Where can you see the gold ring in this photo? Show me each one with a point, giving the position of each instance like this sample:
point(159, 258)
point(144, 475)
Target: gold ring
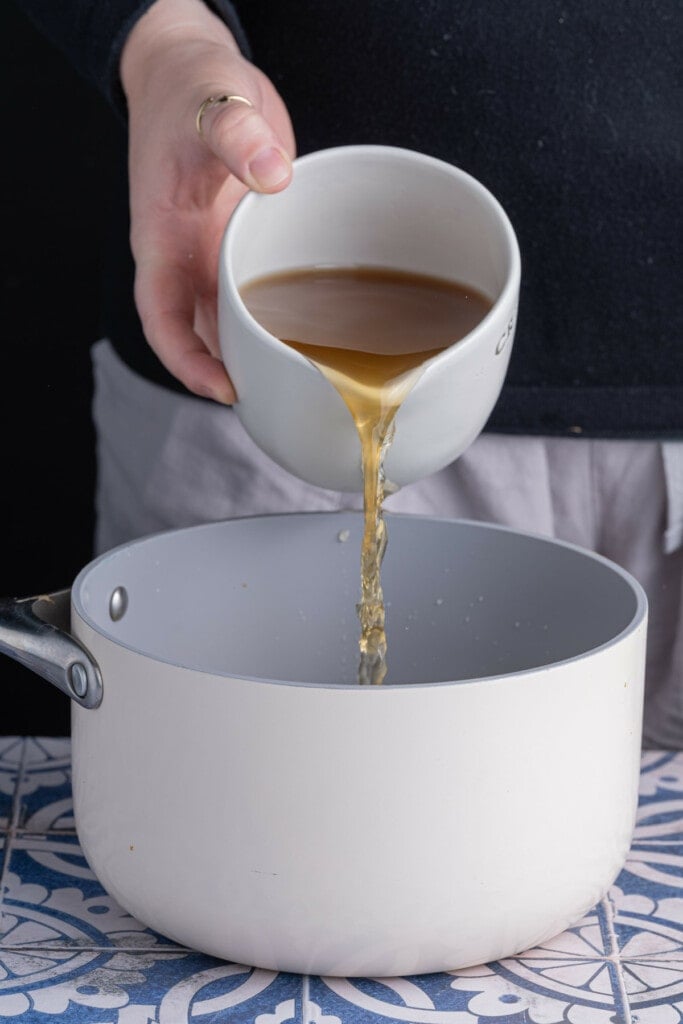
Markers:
point(217, 101)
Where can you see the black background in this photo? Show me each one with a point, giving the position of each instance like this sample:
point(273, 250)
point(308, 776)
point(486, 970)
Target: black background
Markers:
point(58, 148)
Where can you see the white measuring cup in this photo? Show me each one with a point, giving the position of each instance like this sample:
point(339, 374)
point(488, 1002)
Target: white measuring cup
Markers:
point(374, 206)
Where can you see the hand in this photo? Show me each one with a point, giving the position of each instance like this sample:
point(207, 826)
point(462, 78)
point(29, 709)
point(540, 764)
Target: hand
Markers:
point(183, 188)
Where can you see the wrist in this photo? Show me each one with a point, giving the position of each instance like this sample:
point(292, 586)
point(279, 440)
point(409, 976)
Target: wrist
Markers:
point(165, 25)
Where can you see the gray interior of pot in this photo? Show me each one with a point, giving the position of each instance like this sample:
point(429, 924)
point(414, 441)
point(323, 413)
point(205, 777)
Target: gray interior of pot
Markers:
point(274, 598)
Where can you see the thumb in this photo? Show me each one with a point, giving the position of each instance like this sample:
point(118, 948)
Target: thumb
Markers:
point(238, 134)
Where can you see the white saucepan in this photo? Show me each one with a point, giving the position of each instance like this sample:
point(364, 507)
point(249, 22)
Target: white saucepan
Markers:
point(238, 791)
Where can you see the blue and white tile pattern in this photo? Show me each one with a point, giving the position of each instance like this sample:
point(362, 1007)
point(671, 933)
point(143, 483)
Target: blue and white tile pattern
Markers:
point(68, 952)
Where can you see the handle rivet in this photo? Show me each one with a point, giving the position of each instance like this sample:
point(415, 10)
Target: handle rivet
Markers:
point(78, 679)
point(118, 603)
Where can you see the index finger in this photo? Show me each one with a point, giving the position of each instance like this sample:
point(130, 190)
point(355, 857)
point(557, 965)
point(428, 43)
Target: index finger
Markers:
point(239, 135)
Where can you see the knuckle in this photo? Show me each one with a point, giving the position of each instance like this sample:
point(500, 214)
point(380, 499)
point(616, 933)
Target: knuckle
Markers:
point(232, 118)
point(239, 131)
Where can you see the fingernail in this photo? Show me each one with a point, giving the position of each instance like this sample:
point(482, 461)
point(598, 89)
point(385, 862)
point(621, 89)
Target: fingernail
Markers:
point(220, 397)
point(269, 168)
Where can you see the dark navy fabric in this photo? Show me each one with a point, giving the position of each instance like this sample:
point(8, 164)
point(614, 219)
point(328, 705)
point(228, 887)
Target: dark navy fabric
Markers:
point(569, 113)
point(91, 33)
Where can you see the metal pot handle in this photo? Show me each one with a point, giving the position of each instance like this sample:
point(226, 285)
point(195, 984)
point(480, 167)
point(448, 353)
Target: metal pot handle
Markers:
point(35, 632)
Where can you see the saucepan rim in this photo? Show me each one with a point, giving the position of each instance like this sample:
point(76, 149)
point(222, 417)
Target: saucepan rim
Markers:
point(639, 615)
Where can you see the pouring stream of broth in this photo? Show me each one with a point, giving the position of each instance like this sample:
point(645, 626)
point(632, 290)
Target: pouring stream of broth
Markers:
point(369, 331)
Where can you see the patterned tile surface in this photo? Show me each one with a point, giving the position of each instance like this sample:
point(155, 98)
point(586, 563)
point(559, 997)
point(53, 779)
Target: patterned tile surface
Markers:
point(69, 953)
